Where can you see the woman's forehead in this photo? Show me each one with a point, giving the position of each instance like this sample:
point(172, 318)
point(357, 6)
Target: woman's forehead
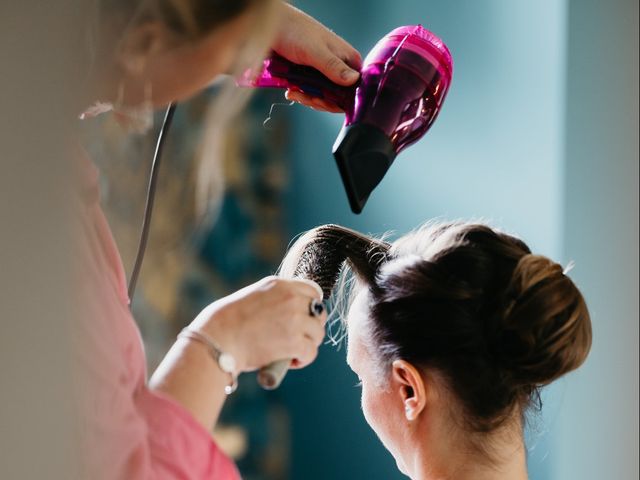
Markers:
point(356, 323)
point(358, 310)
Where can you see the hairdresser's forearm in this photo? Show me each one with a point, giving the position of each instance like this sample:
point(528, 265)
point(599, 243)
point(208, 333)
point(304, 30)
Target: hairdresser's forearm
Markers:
point(190, 376)
point(257, 325)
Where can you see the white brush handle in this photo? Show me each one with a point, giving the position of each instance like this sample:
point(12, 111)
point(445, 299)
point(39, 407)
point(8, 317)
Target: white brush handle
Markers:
point(271, 376)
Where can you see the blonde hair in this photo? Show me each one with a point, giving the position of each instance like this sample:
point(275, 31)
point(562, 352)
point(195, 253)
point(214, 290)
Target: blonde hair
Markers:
point(229, 102)
point(191, 19)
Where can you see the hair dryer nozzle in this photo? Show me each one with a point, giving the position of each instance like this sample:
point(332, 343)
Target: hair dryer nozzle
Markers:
point(363, 153)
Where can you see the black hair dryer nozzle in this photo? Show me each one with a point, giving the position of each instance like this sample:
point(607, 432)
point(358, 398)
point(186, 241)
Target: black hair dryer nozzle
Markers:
point(363, 154)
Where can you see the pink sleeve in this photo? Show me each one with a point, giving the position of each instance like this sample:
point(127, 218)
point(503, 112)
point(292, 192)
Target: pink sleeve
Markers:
point(179, 447)
point(128, 431)
point(146, 435)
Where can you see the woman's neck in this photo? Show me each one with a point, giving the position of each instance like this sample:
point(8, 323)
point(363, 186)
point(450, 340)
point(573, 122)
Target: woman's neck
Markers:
point(446, 458)
point(513, 467)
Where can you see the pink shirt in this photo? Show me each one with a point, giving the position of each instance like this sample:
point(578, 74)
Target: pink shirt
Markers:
point(129, 431)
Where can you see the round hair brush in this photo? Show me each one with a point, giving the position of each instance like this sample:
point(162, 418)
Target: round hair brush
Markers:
point(319, 256)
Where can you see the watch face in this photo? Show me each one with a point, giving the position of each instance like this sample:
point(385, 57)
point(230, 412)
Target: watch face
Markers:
point(227, 362)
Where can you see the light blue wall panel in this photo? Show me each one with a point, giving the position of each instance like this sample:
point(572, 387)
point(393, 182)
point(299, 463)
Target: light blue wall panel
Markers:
point(597, 435)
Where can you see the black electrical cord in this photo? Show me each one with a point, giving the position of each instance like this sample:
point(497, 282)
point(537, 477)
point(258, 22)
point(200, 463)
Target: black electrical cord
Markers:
point(151, 192)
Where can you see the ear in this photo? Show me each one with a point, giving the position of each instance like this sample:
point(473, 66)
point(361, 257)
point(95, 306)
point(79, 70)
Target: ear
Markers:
point(141, 43)
point(410, 387)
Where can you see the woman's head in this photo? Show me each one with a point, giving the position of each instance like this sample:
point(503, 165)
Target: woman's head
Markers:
point(456, 325)
point(174, 47)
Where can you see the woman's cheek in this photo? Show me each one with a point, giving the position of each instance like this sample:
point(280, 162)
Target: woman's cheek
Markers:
point(372, 409)
point(377, 406)
point(364, 404)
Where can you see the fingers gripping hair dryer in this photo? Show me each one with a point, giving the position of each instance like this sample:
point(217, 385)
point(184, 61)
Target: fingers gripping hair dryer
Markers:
point(404, 81)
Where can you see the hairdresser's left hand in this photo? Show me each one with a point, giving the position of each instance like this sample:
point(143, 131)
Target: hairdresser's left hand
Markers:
point(306, 41)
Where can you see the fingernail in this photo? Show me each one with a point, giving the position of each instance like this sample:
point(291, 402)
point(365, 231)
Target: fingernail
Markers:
point(349, 74)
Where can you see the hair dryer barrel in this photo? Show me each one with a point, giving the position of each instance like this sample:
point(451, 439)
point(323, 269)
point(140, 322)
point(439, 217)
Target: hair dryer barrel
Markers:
point(405, 79)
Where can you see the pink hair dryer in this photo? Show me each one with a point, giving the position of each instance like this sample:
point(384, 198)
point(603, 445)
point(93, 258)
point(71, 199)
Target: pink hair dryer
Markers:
point(403, 83)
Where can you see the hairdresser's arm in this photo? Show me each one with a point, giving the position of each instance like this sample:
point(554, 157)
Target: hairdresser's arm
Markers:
point(264, 322)
point(305, 41)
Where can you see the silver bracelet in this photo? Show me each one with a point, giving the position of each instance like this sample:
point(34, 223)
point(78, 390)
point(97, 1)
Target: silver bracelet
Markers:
point(225, 361)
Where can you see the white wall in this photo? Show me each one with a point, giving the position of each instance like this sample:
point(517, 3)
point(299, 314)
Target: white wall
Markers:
point(37, 417)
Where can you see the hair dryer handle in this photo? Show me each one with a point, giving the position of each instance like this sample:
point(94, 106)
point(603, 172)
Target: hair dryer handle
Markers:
point(278, 72)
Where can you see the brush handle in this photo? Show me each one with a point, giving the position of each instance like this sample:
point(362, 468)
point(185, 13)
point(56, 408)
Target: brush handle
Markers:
point(271, 376)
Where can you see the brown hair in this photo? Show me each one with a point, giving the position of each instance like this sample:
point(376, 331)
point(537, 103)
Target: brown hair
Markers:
point(496, 321)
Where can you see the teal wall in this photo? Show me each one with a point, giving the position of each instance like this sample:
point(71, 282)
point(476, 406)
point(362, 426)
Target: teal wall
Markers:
point(496, 152)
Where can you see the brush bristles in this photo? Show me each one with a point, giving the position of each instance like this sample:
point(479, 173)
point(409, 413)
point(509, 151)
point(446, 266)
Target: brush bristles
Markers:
point(320, 254)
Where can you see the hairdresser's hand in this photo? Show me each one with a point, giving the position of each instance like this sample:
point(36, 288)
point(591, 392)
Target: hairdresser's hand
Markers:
point(305, 41)
point(265, 322)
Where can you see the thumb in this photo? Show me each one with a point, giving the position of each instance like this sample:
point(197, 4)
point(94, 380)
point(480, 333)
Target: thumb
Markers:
point(334, 68)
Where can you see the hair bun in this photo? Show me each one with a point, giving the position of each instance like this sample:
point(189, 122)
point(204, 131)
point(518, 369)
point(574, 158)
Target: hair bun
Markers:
point(546, 329)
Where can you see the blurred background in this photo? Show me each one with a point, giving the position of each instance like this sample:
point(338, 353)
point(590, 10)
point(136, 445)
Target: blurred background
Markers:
point(538, 136)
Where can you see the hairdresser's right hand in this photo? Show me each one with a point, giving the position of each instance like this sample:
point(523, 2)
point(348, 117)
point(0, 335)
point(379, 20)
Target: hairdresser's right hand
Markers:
point(265, 322)
point(306, 41)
